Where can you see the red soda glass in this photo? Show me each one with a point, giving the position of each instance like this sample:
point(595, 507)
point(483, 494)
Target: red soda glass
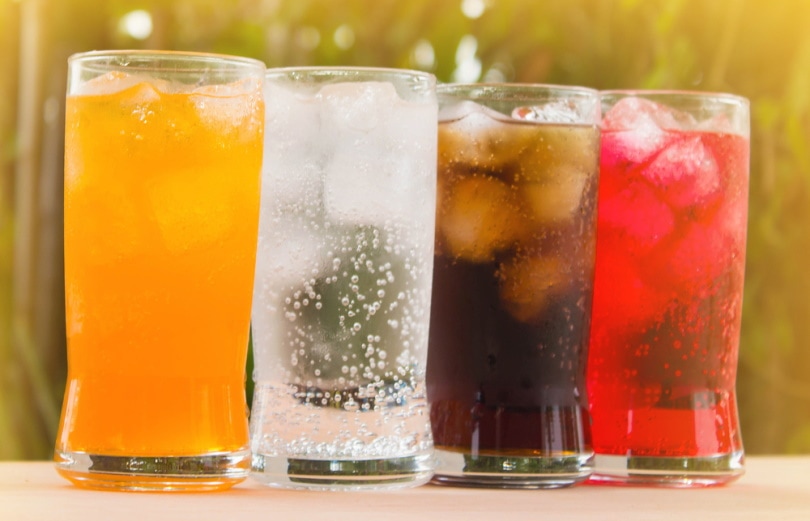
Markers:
point(668, 288)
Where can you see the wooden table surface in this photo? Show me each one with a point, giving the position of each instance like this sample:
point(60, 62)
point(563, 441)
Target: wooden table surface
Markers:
point(775, 488)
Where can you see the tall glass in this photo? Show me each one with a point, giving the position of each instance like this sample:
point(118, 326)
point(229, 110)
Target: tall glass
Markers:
point(342, 294)
point(669, 282)
point(513, 275)
point(163, 155)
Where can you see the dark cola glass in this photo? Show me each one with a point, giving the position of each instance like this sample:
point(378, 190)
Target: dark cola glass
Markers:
point(513, 282)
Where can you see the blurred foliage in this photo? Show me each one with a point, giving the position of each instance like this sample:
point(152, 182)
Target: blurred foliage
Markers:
point(758, 49)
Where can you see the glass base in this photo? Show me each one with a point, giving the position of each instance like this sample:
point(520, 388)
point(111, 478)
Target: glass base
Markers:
point(668, 471)
point(218, 471)
point(372, 474)
point(505, 471)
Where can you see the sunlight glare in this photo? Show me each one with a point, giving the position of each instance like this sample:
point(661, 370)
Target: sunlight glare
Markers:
point(424, 57)
point(344, 37)
point(473, 9)
point(137, 24)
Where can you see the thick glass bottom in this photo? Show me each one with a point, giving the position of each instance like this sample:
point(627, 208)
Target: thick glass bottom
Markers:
point(511, 471)
point(369, 474)
point(207, 472)
point(680, 472)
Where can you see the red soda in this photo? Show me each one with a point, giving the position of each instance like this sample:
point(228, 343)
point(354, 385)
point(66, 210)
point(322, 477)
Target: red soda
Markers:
point(668, 291)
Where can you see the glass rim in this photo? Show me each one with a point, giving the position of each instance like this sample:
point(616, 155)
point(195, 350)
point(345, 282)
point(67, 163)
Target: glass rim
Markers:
point(723, 97)
point(98, 57)
point(314, 70)
point(517, 87)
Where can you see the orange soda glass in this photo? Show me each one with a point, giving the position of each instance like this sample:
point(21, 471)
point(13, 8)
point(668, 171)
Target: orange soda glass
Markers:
point(163, 154)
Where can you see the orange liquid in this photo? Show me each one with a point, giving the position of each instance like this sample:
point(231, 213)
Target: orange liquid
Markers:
point(161, 218)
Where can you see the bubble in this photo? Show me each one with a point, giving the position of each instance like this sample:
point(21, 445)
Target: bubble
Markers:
point(357, 326)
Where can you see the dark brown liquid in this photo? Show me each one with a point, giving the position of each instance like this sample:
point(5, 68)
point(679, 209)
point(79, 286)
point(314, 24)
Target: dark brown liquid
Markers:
point(497, 385)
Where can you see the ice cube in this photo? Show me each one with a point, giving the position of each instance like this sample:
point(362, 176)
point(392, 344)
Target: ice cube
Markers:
point(634, 130)
point(479, 216)
point(721, 123)
point(234, 89)
point(373, 176)
point(686, 173)
point(116, 81)
point(732, 220)
point(526, 284)
point(293, 151)
point(465, 108)
point(559, 111)
point(638, 216)
point(357, 105)
point(631, 112)
point(710, 247)
point(365, 186)
point(481, 140)
point(555, 153)
point(290, 252)
point(230, 107)
point(703, 254)
point(187, 220)
point(557, 200)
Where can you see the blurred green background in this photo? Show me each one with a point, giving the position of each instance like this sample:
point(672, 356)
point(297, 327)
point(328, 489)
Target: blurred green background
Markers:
point(758, 49)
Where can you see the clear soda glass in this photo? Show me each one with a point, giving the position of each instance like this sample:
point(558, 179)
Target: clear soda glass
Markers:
point(342, 293)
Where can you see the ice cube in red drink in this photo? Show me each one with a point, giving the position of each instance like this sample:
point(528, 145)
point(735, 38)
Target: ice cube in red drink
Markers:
point(686, 172)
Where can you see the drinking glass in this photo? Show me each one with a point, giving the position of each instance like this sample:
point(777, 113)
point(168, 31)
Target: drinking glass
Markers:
point(669, 282)
point(163, 155)
point(343, 274)
point(513, 276)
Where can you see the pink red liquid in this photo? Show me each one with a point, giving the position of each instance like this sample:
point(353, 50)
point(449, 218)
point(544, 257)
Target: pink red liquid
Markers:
point(668, 292)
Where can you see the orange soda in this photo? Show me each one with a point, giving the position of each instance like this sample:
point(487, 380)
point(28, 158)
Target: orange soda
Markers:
point(161, 216)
